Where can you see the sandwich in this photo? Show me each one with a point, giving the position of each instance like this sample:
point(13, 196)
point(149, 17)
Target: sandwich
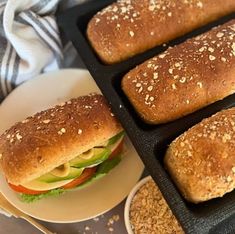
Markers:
point(62, 148)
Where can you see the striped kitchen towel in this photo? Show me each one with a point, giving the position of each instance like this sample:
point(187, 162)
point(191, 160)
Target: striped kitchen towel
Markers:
point(29, 41)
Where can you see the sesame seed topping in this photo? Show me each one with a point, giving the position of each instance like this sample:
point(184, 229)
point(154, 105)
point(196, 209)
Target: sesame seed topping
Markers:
point(226, 137)
point(79, 131)
point(233, 48)
point(131, 33)
point(150, 88)
point(211, 57)
point(220, 34)
point(0, 156)
point(25, 121)
point(173, 86)
point(88, 107)
point(46, 121)
point(177, 64)
point(170, 71)
point(18, 136)
point(62, 131)
point(140, 90)
point(147, 97)
point(212, 135)
point(233, 169)
point(229, 179)
point(199, 4)
point(199, 84)
point(162, 56)
point(202, 49)
point(211, 49)
point(155, 75)
point(123, 9)
point(152, 7)
point(223, 59)
point(182, 80)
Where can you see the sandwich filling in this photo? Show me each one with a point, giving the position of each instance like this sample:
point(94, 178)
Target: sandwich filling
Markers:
point(78, 172)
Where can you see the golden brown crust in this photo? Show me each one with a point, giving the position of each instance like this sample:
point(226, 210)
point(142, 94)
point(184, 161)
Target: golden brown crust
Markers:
point(50, 138)
point(202, 160)
point(129, 27)
point(184, 78)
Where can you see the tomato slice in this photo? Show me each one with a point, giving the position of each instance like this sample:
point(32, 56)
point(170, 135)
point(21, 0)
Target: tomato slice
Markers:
point(22, 189)
point(87, 174)
point(117, 151)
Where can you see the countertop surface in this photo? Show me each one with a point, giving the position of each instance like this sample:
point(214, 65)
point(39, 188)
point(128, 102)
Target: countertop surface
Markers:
point(104, 224)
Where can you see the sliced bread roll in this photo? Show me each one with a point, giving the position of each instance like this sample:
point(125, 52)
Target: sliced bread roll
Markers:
point(53, 137)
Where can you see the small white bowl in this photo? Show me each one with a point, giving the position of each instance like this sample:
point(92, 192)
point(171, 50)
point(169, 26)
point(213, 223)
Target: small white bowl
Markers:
point(129, 200)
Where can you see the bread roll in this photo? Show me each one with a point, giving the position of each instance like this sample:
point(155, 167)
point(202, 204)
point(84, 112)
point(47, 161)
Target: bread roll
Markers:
point(52, 137)
point(202, 160)
point(184, 78)
point(129, 27)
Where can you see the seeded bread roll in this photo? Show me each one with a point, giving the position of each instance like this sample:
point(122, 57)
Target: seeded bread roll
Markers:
point(52, 137)
point(184, 78)
point(127, 28)
point(202, 160)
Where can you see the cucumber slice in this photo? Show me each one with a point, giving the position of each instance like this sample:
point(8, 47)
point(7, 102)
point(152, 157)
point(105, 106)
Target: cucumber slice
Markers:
point(49, 178)
point(100, 155)
point(115, 138)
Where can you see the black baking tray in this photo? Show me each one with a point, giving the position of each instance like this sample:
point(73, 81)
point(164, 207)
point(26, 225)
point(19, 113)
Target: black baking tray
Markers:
point(151, 141)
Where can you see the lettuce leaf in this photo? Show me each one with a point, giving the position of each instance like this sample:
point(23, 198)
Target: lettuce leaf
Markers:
point(32, 198)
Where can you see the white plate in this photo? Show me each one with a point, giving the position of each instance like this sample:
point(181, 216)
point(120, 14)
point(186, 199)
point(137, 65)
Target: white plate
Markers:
point(43, 92)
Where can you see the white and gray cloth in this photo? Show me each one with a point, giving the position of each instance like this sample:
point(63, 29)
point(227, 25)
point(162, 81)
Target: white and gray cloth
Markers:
point(29, 41)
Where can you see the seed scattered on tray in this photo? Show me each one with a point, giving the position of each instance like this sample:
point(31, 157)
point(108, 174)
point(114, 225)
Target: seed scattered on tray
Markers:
point(150, 214)
point(111, 222)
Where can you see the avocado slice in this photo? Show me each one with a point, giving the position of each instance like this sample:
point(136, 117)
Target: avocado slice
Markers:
point(100, 155)
point(49, 178)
